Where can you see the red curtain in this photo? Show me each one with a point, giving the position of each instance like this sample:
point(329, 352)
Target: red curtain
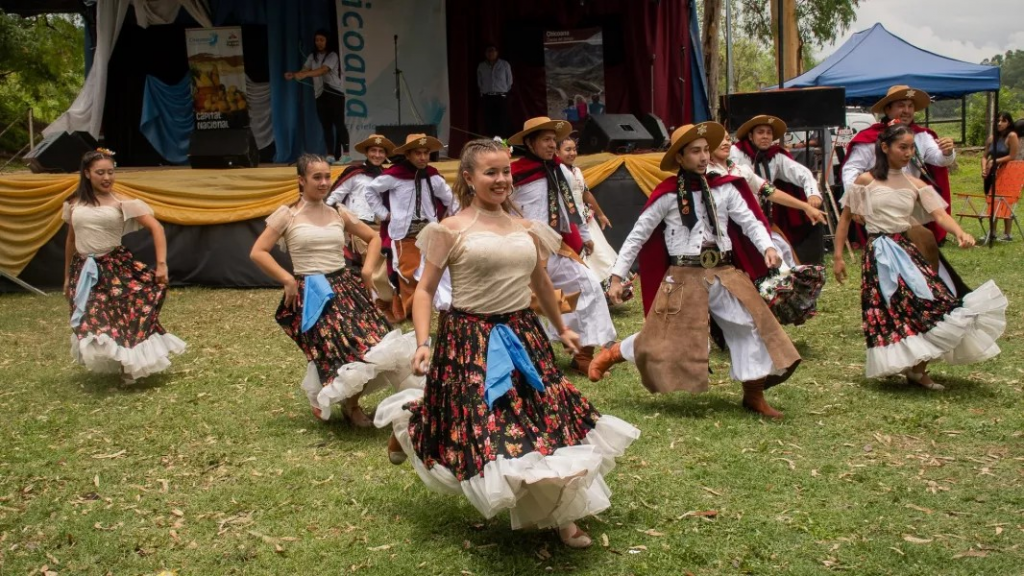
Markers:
point(633, 32)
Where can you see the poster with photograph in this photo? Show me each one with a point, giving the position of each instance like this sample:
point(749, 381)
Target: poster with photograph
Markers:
point(218, 77)
point(574, 65)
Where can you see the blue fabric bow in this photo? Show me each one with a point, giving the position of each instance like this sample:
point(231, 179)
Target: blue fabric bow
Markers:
point(505, 352)
point(87, 278)
point(894, 263)
point(316, 295)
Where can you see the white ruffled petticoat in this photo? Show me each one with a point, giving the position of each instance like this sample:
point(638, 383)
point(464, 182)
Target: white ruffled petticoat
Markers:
point(539, 491)
point(101, 353)
point(966, 335)
point(389, 363)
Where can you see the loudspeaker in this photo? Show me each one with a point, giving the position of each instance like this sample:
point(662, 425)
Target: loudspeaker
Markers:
point(223, 148)
point(397, 133)
point(618, 133)
point(60, 152)
point(797, 107)
point(659, 134)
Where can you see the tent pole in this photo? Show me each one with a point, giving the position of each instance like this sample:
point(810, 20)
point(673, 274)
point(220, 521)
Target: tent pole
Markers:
point(963, 120)
point(927, 117)
point(992, 197)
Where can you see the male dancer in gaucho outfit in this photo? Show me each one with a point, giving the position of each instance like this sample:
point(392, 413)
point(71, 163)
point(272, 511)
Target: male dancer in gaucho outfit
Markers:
point(688, 237)
point(405, 198)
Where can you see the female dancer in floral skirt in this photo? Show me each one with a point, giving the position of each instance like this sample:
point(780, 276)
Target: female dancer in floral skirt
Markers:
point(498, 422)
point(351, 348)
point(910, 317)
point(115, 300)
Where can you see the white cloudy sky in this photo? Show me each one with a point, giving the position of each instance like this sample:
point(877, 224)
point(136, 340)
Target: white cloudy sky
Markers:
point(969, 30)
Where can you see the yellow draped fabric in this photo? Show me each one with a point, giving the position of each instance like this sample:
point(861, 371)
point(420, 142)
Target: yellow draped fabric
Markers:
point(30, 205)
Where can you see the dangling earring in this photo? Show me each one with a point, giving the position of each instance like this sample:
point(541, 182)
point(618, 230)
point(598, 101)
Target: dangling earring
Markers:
point(472, 190)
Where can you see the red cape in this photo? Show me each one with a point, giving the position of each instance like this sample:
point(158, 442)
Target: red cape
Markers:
point(653, 258)
point(793, 223)
point(940, 174)
point(526, 170)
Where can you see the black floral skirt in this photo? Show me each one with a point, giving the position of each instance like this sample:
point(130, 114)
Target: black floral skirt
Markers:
point(453, 425)
point(348, 328)
point(120, 330)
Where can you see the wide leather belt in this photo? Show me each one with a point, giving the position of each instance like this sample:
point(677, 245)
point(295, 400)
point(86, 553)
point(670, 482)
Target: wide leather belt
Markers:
point(416, 227)
point(708, 258)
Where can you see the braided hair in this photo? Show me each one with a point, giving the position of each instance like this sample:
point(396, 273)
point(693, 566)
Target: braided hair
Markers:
point(467, 163)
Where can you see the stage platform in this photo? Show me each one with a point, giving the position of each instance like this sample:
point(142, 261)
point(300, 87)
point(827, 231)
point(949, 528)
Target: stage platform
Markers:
point(212, 217)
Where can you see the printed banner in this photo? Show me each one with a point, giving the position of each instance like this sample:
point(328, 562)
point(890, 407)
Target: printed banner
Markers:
point(218, 77)
point(574, 65)
point(367, 34)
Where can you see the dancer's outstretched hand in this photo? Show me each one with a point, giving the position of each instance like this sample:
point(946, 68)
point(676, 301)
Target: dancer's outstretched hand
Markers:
point(571, 340)
point(839, 270)
point(772, 258)
point(615, 291)
point(814, 215)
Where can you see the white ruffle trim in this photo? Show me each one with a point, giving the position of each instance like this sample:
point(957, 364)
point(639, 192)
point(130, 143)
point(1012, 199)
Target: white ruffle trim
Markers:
point(966, 335)
point(389, 363)
point(101, 353)
point(539, 491)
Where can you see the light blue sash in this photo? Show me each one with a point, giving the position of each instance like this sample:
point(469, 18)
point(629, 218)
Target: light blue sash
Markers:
point(316, 294)
point(894, 263)
point(87, 278)
point(505, 352)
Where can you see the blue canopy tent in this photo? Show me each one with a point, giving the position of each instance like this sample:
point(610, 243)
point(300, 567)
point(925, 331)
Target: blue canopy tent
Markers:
point(872, 60)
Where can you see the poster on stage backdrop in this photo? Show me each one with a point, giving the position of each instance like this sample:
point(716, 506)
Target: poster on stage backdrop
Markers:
point(367, 34)
point(574, 66)
point(218, 77)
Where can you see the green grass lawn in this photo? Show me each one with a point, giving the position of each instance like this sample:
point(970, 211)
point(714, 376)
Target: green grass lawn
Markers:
point(217, 467)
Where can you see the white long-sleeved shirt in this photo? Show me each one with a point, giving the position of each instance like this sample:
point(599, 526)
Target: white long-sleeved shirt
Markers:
point(862, 158)
point(352, 195)
point(783, 168)
point(532, 200)
point(402, 201)
point(683, 241)
point(496, 79)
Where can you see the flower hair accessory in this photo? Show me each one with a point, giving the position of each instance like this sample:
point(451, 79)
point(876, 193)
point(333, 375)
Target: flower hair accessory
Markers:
point(894, 122)
point(106, 151)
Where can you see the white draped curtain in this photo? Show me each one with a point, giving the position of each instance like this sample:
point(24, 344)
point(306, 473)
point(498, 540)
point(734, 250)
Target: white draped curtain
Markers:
point(86, 112)
point(257, 95)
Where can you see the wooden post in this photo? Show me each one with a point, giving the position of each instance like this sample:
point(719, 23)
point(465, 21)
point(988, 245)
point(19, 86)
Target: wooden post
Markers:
point(31, 132)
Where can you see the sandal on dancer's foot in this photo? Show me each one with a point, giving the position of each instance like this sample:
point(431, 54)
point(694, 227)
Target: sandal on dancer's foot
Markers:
point(919, 379)
point(574, 537)
point(395, 453)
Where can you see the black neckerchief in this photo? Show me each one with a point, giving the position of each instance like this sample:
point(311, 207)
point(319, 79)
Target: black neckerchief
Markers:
point(558, 187)
point(421, 177)
point(687, 183)
point(372, 170)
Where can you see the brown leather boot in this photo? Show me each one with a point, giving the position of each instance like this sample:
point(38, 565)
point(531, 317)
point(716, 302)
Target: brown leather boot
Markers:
point(582, 359)
point(753, 400)
point(608, 357)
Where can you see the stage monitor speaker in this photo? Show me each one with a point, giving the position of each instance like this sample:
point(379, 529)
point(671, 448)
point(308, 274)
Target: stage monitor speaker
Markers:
point(60, 152)
point(397, 133)
point(223, 148)
point(797, 107)
point(619, 133)
point(656, 128)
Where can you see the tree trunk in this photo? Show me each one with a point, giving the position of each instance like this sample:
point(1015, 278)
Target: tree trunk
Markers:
point(712, 23)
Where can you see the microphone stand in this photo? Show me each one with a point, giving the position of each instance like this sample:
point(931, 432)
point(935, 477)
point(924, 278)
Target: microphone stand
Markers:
point(398, 82)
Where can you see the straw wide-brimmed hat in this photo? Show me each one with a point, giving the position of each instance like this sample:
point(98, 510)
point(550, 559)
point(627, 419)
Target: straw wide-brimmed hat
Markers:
point(713, 132)
point(375, 140)
point(776, 123)
point(902, 92)
point(414, 141)
point(561, 128)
